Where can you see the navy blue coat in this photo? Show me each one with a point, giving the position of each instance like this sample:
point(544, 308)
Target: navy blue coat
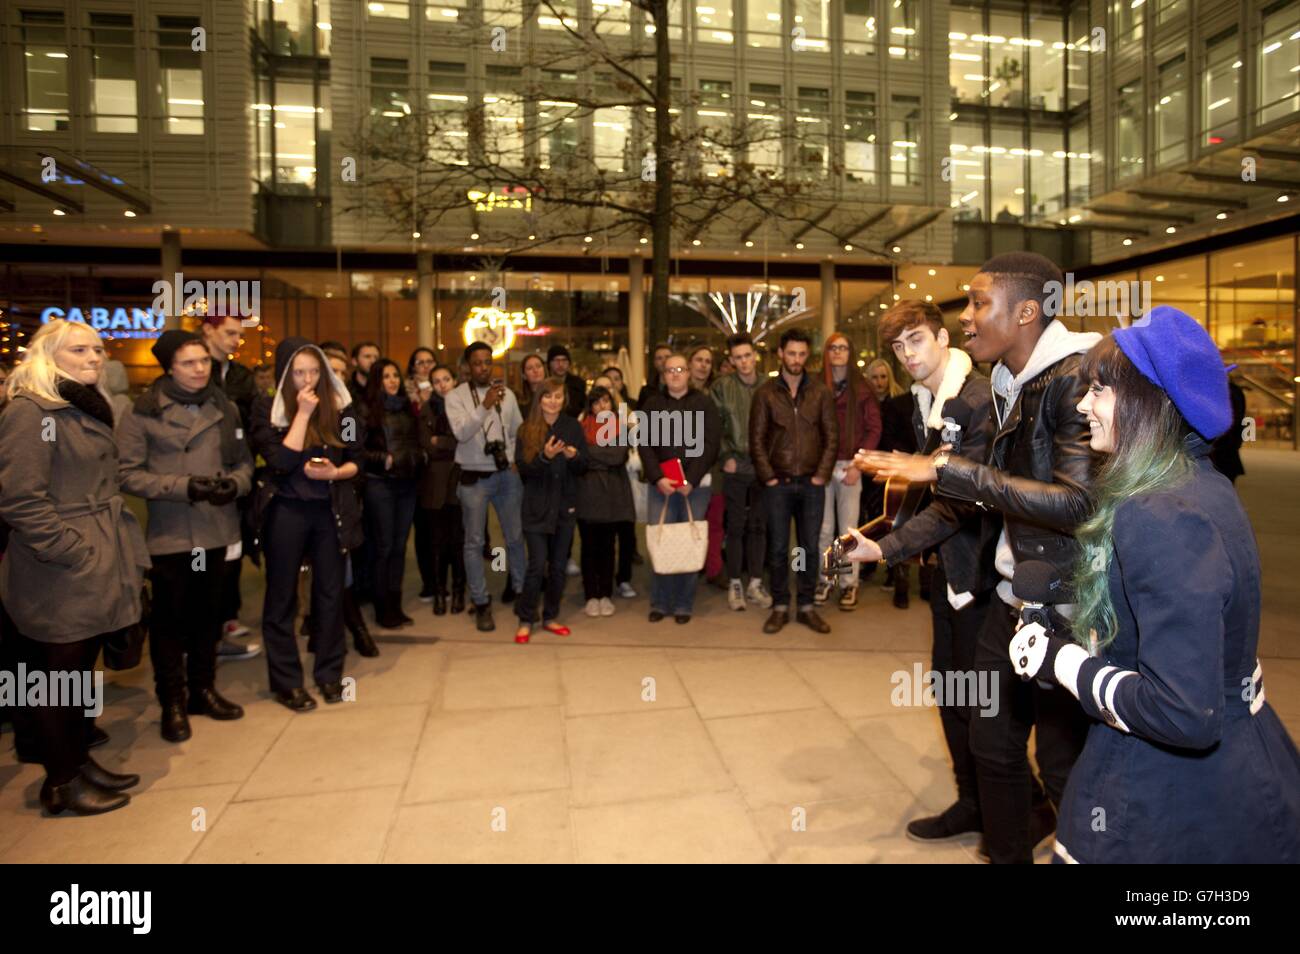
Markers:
point(551, 486)
point(1188, 762)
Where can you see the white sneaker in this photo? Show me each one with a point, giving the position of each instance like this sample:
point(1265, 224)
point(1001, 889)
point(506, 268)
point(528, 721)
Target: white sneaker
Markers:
point(573, 569)
point(606, 606)
point(229, 649)
point(625, 590)
point(736, 595)
point(823, 593)
point(757, 595)
point(234, 627)
point(593, 607)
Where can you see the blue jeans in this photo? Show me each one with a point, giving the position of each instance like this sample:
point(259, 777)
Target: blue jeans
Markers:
point(675, 592)
point(390, 508)
point(799, 498)
point(505, 492)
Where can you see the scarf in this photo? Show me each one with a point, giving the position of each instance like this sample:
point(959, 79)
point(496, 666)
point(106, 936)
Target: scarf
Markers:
point(149, 405)
point(87, 400)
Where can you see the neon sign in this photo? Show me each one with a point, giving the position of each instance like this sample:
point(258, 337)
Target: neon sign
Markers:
point(497, 328)
point(508, 198)
point(115, 322)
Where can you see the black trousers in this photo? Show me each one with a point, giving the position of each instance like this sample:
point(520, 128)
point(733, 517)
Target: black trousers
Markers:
point(298, 532)
point(59, 734)
point(956, 634)
point(448, 533)
point(746, 523)
point(597, 559)
point(1000, 743)
point(798, 498)
point(188, 595)
point(547, 561)
point(625, 534)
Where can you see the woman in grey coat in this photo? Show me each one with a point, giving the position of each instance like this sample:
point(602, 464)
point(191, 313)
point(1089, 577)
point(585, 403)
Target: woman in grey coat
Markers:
point(183, 450)
point(604, 500)
point(73, 568)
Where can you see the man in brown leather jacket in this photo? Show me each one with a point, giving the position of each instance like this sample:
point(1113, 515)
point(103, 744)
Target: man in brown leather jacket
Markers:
point(793, 437)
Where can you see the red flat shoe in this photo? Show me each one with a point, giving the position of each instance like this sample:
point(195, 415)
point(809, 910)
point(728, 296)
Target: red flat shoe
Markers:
point(556, 628)
point(522, 634)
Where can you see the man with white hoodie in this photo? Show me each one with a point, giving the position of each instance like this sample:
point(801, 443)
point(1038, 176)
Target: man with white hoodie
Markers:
point(1036, 476)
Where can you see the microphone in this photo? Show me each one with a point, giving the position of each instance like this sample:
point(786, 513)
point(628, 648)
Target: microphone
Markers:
point(1036, 584)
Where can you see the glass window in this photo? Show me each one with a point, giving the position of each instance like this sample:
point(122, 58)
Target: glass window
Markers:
point(1130, 130)
point(447, 12)
point(390, 94)
point(967, 152)
point(1079, 159)
point(448, 107)
point(813, 17)
point(905, 141)
point(263, 117)
point(1007, 169)
point(1279, 63)
point(763, 23)
point(1167, 10)
point(503, 115)
point(1127, 18)
point(1046, 61)
point(1171, 111)
point(715, 118)
point(180, 76)
point(558, 15)
point(1006, 45)
point(323, 27)
point(388, 10)
point(611, 17)
point(1219, 99)
point(812, 130)
point(966, 76)
point(713, 22)
point(1047, 165)
point(674, 21)
point(112, 73)
point(292, 28)
point(559, 123)
point(503, 13)
point(612, 127)
point(902, 18)
point(1077, 50)
point(860, 136)
point(859, 28)
point(295, 133)
point(45, 62)
point(764, 126)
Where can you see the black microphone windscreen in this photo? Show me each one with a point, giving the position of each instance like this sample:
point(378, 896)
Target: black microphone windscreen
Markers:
point(1036, 582)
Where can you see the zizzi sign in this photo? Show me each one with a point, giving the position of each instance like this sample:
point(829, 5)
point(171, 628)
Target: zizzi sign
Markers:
point(114, 322)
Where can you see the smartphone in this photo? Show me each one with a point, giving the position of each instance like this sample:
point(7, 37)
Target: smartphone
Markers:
point(318, 461)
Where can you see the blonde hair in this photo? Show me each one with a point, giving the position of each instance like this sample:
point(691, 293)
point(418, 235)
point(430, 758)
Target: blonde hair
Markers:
point(39, 375)
point(895, 389)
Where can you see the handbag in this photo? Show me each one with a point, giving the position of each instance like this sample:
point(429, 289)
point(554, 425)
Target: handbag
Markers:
point(123, 649)
point(677, 547)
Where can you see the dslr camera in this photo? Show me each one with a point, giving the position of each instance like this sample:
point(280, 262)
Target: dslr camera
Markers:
point(497, 451)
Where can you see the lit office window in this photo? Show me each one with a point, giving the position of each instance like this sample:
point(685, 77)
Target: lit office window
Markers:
point(1046, 44)
point(1279, 63)
point(713, 22)
point(1128, 17)
point(388, 10)
point(966, 77)
point(813, 18)
point(293, 28)
point(905, 123)
point(860, 137)
point(612, 128)
point(1220, 101)
point(1079, 163)
point(764, 126)
point(715, 118)
point(1078, 48)
point(45, 69)
point(967, 154)
point(764, 24)
point(1007, 55)
point(812, 131)
point(902, 21)
point(859, 28)
point(1130, 130)
point(263, 118)
point(503, 116)
point(447, 12)
point(390, 89)
point(448, 113)
point(1047, 168)
point(611, 17)
point(559, 123)
point(558, 15)
point(1007, 175)
point(295, 132)
point(1171, 111)
point(112, 73)
point(323, 27)
point(180, 76)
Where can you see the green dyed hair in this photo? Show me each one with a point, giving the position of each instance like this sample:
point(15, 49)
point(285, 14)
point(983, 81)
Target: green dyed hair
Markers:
point(1148, 456)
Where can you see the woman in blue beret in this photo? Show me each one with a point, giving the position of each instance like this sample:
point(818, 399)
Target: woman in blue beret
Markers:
point(1186, 761)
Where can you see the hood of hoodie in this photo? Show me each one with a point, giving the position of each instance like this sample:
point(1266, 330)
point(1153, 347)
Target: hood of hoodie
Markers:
point(284, 355)
point(1056, 342)
point(115, 381)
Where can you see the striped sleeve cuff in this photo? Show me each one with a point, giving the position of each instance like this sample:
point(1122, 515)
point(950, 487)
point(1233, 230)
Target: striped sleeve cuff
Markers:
point(1097, 685)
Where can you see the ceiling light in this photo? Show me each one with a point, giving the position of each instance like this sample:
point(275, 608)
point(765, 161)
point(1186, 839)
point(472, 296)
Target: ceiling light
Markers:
point(473, 235)
point(932, 272)
point(1222, 215)
point(1128, 241)
point(897, 249)
point(1171, 230)
point(129, 214)
point(749, 243)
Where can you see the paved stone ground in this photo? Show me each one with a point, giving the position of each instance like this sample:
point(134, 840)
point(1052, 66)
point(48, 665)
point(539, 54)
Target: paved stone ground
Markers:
point(466, 747)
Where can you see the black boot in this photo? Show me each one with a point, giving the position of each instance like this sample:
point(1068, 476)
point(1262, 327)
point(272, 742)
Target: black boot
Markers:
point(395, 603)
point(95, 773)
point(439, 604)
point(923, 577)
point(483, 617)
point(384, 615)
point(356, 624)
point(457, 600)
point(209, 703)
point(80, 796)
point(175, 723)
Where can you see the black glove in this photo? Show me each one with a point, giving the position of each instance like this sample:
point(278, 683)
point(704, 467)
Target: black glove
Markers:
point(201, 488)
point(225, 491)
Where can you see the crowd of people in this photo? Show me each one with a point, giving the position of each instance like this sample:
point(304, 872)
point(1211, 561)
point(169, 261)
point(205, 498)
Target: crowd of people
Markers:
point(1090, 455)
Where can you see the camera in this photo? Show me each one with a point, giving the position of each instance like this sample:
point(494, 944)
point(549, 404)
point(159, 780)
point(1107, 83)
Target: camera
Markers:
point(497, 451)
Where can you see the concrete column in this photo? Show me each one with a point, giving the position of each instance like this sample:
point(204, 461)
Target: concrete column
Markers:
point(171, 264)
point(636, 344)
point(424, 300)
point(830, 302)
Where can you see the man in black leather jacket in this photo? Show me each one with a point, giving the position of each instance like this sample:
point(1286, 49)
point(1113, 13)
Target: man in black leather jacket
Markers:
point(1036, 477)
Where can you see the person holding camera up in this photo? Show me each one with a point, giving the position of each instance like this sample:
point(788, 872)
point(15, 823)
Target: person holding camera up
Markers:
point(485, 419)
point(183, 451)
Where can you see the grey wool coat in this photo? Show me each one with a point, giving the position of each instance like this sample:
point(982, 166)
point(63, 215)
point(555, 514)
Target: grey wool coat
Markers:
point(159, 456)
point(76, 556)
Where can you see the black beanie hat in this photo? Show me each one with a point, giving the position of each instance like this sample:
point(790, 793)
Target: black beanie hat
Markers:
point(169, 342)
point(557, 351)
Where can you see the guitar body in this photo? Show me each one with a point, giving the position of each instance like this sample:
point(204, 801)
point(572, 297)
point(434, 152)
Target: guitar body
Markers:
point(895, 497)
